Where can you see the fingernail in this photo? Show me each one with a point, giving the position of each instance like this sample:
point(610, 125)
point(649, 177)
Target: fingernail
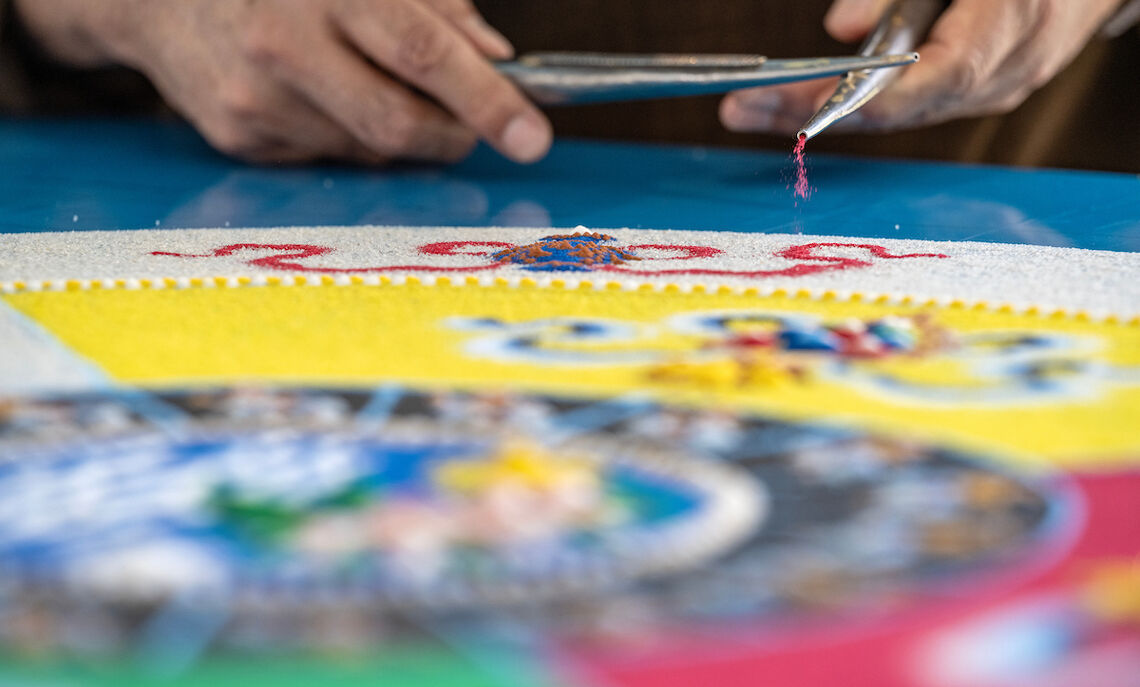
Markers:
point(496, 43)
point(527, 137)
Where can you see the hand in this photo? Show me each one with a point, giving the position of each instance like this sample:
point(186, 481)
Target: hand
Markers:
point(982, 57)
point(299, 80)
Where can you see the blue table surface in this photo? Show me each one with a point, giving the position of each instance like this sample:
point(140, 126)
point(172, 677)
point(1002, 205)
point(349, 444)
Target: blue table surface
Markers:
point(129, 174)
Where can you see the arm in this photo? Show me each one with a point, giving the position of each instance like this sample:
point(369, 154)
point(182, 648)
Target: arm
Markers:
point(32, 82)
point(298, 80)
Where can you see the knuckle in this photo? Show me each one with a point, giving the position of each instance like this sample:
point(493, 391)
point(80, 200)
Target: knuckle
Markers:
point(968, 71)
point(266, 40)
point(394, 131)
point(400, 131)
point(239, 99)
point(423, 47)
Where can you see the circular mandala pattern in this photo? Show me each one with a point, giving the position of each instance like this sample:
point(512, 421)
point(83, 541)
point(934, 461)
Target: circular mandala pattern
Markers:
point(298, 501)
point(257, 493)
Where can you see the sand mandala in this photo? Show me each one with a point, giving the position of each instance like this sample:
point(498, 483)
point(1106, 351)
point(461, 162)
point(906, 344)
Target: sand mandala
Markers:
point(549, 456)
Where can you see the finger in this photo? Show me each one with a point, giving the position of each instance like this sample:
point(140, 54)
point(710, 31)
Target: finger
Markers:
point(851, 20)
point(296, 131)
point(265, 123)
point(774, 122)
point(966, 47)
point(427, 52)
point(381, 114)
point(281, 152)
point(294, 119)
point(1053, 41)
point(274, 151)
point(269, 110)
point(757, 109)
point(388, 117)
point(463, 15)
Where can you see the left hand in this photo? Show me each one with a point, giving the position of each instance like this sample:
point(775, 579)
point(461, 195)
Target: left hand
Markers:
point(982, 57)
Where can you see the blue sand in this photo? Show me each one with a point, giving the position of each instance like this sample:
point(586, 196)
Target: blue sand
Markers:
point(817, 339)
point(81, 174)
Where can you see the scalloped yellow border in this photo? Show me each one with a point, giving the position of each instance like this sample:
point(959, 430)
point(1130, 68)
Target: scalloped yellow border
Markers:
point(158, 283)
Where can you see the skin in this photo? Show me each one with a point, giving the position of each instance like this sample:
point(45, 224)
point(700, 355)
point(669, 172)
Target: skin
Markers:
point(287, 81)
point(982, 57)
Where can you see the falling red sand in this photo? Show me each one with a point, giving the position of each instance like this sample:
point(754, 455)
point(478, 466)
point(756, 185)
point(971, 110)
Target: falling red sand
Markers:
point(802, 188)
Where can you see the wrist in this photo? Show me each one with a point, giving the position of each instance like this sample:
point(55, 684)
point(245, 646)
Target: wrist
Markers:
point(74, 33)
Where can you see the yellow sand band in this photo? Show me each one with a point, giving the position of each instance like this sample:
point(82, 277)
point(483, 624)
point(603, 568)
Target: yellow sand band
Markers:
point(359, 334)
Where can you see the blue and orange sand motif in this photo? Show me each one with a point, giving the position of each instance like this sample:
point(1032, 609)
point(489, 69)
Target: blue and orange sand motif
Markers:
point(578, 252)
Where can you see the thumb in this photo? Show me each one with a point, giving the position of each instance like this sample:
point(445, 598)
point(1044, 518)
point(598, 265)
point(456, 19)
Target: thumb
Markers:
point(851, 20)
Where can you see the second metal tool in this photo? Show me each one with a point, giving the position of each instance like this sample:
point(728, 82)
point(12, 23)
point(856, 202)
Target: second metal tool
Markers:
point(903, 26)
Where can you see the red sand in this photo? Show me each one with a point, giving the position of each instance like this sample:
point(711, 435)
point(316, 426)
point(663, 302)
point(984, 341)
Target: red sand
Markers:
point(802, 188)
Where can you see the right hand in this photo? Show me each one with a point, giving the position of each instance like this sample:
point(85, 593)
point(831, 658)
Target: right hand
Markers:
point(983, 57)
point(297, 80)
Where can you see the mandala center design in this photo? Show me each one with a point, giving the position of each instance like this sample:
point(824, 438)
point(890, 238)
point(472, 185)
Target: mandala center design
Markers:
point(579, 252)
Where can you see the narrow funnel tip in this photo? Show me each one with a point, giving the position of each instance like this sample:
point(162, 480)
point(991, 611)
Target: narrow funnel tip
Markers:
point(914, 56)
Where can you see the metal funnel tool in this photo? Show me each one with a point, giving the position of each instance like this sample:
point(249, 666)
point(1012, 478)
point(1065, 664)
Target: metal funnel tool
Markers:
point(903, 26)
point(575, 78)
